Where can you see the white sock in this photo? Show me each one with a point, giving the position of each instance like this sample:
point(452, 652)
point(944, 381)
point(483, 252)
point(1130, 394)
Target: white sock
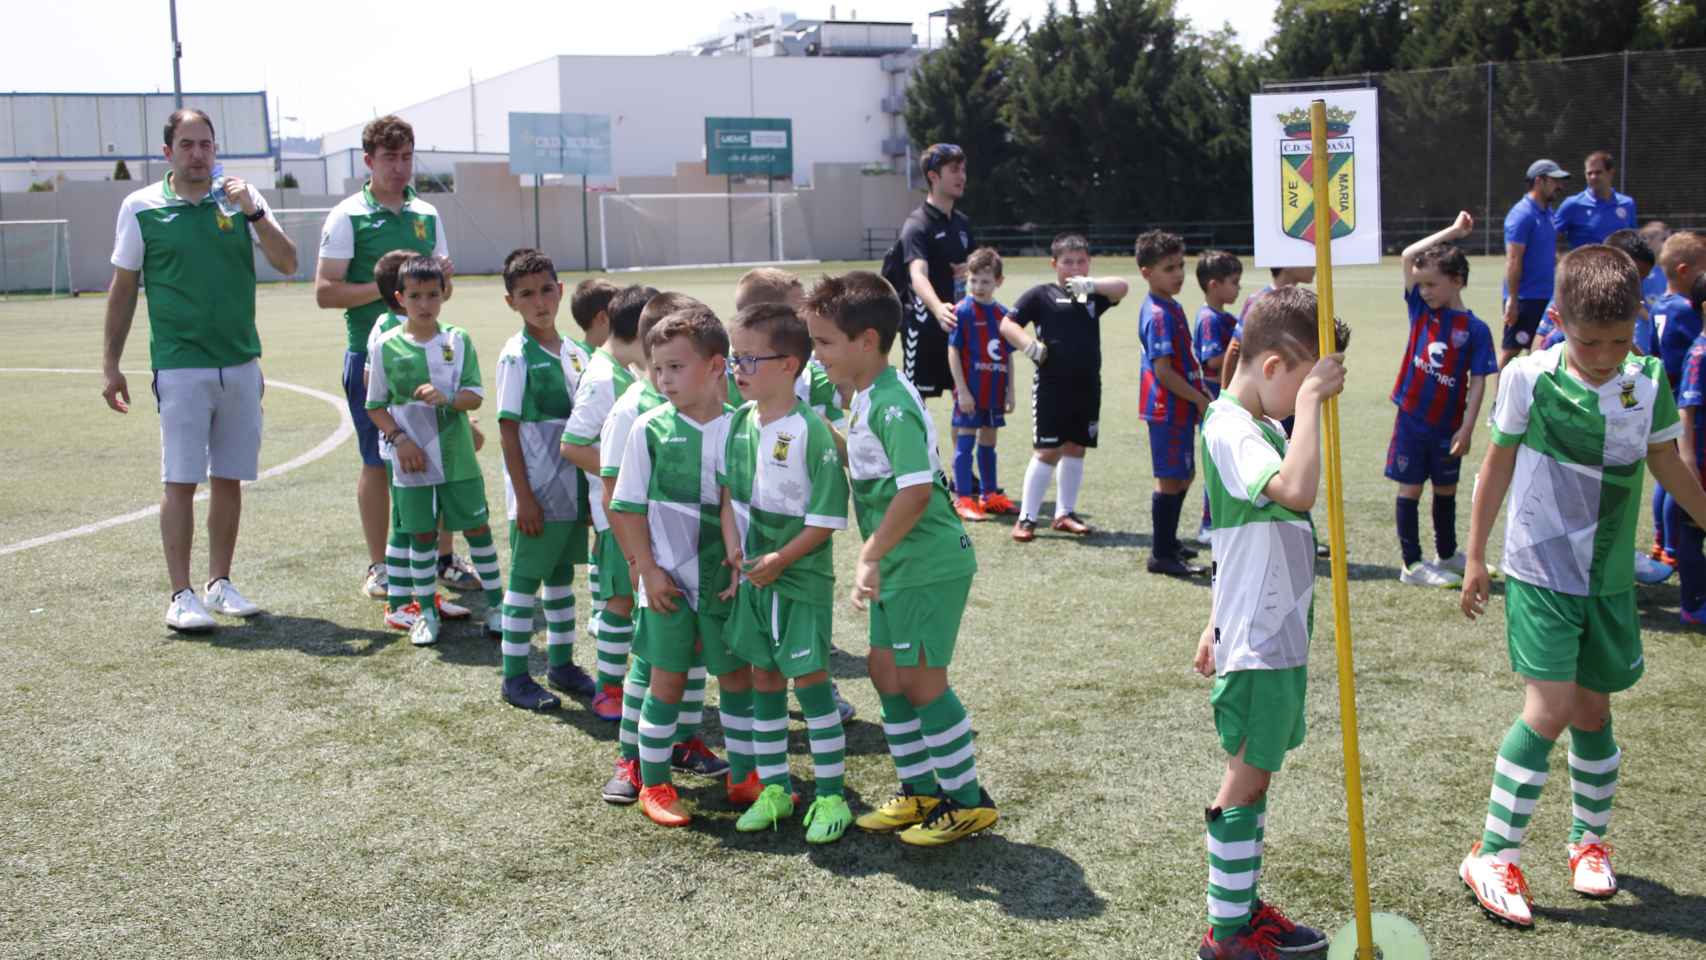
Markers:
point(1037, 478)
point(1071, 478)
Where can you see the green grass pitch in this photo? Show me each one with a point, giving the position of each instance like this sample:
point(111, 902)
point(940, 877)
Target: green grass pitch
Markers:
point(309, 785)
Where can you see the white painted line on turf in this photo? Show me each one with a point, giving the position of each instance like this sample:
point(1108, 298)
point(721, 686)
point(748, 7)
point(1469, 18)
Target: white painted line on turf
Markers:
point(346, 427)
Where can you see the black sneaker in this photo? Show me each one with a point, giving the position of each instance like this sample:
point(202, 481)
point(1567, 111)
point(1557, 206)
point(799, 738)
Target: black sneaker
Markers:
point(624, 785)
point(1289, 939)
point(523, 692)
point(571, 680)
point(1324, 551)
point(1175, 567)
point(692, 756)
point(1187, 553)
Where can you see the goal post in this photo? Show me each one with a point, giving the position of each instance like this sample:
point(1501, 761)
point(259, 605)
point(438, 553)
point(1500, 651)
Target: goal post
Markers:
point(653, 231)
point(35, 258)
point(302, 225)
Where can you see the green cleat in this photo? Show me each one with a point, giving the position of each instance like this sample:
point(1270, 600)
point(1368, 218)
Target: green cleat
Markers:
point(827, 819)
point(772, 806)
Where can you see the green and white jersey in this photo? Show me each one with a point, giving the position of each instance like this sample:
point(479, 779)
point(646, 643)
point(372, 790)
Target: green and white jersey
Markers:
point(533, 392)
point(669, 474)
point(577, 357)
point(891, 445)
point(783, 477)
point(198, 272)
point(1264, 553)
point(1575, 497)
point(639, 398)
point(596, 393)
point(448, 362)
point(814, 388)
point(387, 322)
point(361, 231)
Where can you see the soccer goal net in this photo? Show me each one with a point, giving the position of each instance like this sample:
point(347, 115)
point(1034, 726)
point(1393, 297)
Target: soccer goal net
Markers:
point(303, 227)
point(35, 258)
point(649, 231)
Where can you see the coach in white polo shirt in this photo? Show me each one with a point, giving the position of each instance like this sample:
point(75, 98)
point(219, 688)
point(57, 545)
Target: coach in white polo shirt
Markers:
point(199, 264)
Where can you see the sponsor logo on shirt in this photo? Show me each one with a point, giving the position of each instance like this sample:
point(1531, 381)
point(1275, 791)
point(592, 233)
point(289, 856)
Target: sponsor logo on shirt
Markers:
point(168, 218)
point(541, 365)
point(674, 439)
point(942, 236)
point(374, 223)
point(1431, 365)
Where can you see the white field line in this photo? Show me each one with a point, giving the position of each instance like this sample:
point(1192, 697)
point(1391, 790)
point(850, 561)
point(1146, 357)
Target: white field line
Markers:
point(346, 427)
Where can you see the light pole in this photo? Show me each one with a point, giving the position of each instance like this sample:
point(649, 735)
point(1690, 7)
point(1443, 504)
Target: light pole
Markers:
point(177, 55)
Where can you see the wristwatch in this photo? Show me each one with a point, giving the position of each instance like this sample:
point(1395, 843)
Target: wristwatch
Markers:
point(255, 217)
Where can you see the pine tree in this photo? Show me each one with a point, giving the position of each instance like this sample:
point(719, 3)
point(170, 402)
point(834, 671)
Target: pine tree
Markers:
point(956, 96)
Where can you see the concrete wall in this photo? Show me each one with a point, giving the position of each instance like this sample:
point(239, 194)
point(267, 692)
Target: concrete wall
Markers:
point(16, 176)
point(446, 122)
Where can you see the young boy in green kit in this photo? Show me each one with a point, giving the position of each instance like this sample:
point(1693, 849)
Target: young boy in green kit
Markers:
point(420, 388)
point(915, 568)
point(784, 495)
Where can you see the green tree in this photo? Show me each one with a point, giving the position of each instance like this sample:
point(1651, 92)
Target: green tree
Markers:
point(956, 96)
point(1325, 38)
point(120, 171)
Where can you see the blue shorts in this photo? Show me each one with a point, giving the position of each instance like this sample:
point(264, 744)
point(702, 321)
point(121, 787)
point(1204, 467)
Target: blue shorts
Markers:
point(1172, 450)
point(355, 395)
point(979, 418)
point(1521, 335)
point(1420, 453)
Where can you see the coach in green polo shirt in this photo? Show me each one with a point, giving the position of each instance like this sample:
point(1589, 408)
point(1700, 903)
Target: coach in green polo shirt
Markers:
point(199, 266)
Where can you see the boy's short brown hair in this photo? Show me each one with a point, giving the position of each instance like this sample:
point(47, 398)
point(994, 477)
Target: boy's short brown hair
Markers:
point(1598, 286)
point(1215, 265)
point(984, 258)
point(765, 285)
point(781, 326)
point(1447, 259)
point(1683, 246)
point(389, 132)
point(592, 296)
point(1067, 243)
point(856, 302)
point(657, 308)
point(698, 325)
point(1636, 246)
point(625, 310)
point(525, 263)
point(1284, 321)
point(1154, 246)
point(385, 271)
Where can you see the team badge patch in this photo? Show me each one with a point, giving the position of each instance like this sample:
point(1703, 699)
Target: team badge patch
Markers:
point(420, 229)
point(223, 221)
point(1627, 397)
point(779, 452)
point(1297, 175)
point(449, 353)
point(1459, 337)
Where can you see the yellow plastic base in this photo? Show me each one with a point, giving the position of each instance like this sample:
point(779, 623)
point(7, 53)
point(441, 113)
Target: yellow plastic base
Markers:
point(1394, 939)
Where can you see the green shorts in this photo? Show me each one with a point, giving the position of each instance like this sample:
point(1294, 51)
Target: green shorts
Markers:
point(1262, 712)
point(775, 633)
point(613, 579)
point(552, 553)
point(1592, 641)
point(459, 505)
point(921, 621)
point(678, 641)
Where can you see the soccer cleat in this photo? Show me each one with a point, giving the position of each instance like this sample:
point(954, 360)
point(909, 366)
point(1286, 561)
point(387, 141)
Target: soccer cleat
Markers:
point(223, 598)
point(495, 622)
point(1693, 618)
point(526, 693)
point(772, 807)
point(623, 787)
point(1069, 523)
point(692, 756)
point(951, 821)
point(744, 793)
point(847, 710)
point(1590, 869)
point(185, 613)
point(1499, 887)
point(1423, 574)
point(1649, 571)
point(607, 704)
point(572, 680)
point(901, 810)
point(1289, 939)
point(377, 584)
point(425, 631)
point(1187, 553)
point(969, 510)
point(1025, 530)
point(1249, 943)
point(403, 618)
point(1175, 567)
point(827, 819)
point(1667, 558)
point(457, 573)
point(449, 609)
point(662, 805)
point(1205, 538)
point(1658, 550)
point(1324, 551)
point(997, 504)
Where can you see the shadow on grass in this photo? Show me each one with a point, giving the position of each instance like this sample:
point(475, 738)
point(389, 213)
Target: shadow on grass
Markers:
point(311, 635)
point(1657, 909)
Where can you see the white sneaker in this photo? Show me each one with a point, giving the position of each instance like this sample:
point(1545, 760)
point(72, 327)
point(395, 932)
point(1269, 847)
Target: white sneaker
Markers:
point(403, 618)
point(451, 610)
point(1456, 563)
point(186, 614)
point(1422, 574)
point(1590, 869)
point(377, 584)
point(425, 631)
point(1499, 887)
point(223, 598)
point(495, 621)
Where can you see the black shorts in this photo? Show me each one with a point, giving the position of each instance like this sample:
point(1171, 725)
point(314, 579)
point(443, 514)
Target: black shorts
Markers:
point(924, 351)
point(1065, 410)
point(1520, 336)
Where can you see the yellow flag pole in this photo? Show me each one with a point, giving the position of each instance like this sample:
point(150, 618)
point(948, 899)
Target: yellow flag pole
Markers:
point(1336, 534)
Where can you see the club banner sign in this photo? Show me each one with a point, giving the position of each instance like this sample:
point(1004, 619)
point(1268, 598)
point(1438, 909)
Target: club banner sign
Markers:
point(1283, 175)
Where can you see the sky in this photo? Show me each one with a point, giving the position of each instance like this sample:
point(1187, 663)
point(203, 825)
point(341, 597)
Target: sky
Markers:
point(333, 63)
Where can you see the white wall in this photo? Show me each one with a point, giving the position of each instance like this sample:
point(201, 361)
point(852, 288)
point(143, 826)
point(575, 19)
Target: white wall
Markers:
point(442, 123)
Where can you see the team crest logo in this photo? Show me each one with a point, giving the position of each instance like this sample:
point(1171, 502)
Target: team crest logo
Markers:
point(449, 353)
point(575, 362)
point(1628, 395)
point(420, 229)
point(223, 221)
point(1459, 337)
point(1297, 175)
point(780, 451)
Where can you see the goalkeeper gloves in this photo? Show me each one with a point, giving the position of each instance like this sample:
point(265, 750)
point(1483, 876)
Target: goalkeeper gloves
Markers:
point(1080, 287)
point(1037, 351)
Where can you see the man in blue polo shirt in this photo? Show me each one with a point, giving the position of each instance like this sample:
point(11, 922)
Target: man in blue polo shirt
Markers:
point(1598, 211)
point(1531, 257)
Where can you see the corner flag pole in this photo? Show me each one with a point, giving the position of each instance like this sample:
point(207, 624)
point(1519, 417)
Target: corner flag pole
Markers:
point(1319, 160)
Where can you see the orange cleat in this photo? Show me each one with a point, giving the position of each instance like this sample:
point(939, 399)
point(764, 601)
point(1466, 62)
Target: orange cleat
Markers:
point(1069, 523)
point(997, 504)
point(745, 793)
point(1025, 530)
point(662, 805)
point(607, 704)
point(969, 510)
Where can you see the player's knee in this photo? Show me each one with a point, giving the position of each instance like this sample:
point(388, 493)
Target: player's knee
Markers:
point(1411, 491)
point(1050, 456)
point(986, 436)
point(425, 539)
point(483, 530)
point(1446, 491)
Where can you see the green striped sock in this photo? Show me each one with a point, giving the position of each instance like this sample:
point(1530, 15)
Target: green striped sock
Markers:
point(483, 553)
point(1234, 861)
point(1518, 774)
point(657, 735)
point(770, 736)
point(518, 624)
point(828, 739)
point(424, 560)
point(633, 699)
point(399, 575)
point(906, 744)
point(692, 705)
point(1594, 760)
point(735, 709)
point(615, 636)
point(559, 602)
point(947, 733)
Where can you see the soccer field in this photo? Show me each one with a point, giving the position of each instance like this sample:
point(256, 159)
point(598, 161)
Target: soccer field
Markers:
point(309, 785)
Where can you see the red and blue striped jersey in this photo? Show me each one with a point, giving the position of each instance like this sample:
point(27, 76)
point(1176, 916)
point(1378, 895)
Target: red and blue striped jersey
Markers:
point(1214, 332)
point(1166, 336)
point(1447, 348)
point(1692, 393)
point(985, 357)
point(1238, 330)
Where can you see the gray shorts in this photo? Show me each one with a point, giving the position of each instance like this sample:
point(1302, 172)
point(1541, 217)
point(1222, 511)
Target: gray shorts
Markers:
point(210, 422)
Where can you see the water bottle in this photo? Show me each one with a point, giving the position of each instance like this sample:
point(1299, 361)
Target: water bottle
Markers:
point(226, 206)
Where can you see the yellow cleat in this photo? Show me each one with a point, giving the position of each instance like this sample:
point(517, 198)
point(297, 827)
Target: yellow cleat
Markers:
point(902, 810)
point(950, 821)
